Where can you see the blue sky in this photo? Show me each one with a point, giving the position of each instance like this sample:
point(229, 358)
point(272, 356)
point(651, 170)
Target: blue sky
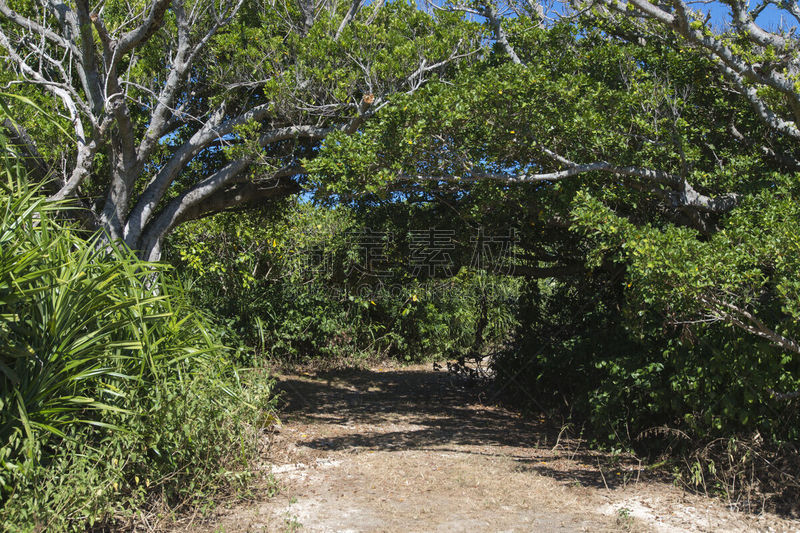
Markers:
point(770, 19)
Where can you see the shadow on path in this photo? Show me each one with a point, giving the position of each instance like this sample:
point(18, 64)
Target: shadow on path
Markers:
point(420, 409)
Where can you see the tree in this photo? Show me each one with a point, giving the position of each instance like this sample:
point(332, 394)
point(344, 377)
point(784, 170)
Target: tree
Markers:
point(600, 119)
point(181, 109)
point(742, 275)
point(762, 65)
point(758, 67)
point(635, 122)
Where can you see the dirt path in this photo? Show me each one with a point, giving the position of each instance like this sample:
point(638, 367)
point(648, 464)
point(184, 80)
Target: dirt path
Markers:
point(401, 450)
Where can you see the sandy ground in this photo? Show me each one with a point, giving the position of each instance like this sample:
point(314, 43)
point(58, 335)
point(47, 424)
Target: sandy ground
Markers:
point(403, 450)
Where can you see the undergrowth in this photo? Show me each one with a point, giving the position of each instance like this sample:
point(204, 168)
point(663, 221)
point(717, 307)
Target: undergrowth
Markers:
point(117, 399)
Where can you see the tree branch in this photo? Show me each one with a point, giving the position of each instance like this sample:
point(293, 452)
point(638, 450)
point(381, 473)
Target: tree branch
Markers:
point(34, 27)
point(135, 37)
point(745, 320)
point(499, 33)
point(211, 196)
point(351, 13)
point(683, 194)
point(737, 69)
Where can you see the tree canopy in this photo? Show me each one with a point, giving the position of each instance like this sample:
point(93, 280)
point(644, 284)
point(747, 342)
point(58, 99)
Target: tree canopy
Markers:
point(177, 110)
point(591, 129)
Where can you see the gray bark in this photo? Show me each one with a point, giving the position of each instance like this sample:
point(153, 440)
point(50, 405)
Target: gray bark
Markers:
point(70, 52)
point(745, 75)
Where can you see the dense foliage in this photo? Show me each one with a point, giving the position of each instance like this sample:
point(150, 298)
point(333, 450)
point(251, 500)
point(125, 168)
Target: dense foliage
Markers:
point(177, 110)
point(97, 347)
point(322, 284)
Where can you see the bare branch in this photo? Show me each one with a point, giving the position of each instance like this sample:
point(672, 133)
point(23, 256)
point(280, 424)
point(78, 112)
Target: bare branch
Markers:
point(499, 33)
point(744, 319)
point(351, 13)
point(682, 195)
point(759, 106)
point(493, 18)
point(138, 35)
point(206, 198)
point(34, 27)
point(745, 75)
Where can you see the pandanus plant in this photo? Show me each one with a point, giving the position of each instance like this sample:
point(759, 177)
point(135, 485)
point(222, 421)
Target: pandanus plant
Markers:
point(84, 324)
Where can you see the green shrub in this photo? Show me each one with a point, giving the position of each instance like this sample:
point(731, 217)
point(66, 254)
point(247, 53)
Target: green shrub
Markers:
point(115, 393)
point(638, 354)
point(288, 286)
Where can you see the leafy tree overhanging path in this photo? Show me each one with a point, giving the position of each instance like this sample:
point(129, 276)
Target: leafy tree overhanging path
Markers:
point(391, 449)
